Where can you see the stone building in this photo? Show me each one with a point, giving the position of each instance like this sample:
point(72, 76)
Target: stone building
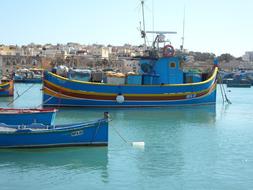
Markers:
point(248, 56)
point(10, 63)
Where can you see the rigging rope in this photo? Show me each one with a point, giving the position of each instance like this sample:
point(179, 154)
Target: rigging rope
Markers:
point(118, 133)
point(19, 95)
point(44, 102)
point(223, 99)
point(223, 92)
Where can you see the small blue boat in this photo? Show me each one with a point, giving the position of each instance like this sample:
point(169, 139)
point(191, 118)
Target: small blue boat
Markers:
point(12, 116)
point(39, 135)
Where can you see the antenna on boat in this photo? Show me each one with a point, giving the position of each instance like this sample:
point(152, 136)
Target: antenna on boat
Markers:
point(153, 18)
point(160, 36)
point(161, 32)
point(182, 46)
point(143, 32)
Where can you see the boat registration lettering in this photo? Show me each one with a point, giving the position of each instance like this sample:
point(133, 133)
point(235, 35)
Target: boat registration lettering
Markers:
point(77, 133)
point(189, 96)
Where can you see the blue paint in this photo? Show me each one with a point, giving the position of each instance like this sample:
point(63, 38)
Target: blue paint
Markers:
point(151, 79)
point(47, 118)
point(216, 62)
point(169, 70)
point(208, 99)
point(139, 89)
point(134, 79)
point(192, 77)
point(124, 89)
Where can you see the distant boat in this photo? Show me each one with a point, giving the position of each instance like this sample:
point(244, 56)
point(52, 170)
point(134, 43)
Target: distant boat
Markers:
point(6, 88)
point(12, 116)
point(32, 75)
point(240, 79)
point(39, 135)
point(242, 83)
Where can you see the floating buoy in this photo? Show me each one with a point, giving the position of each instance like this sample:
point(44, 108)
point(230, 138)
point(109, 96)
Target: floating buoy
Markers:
point(138, 144)
point(120, 99)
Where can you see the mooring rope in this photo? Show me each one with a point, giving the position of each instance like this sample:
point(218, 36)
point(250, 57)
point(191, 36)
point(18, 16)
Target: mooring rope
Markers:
point(223, 99)
point(19, 95)
point(118, 133)
point(223, 91)
point(95, 132)
point(228, 101)
point(47, 100)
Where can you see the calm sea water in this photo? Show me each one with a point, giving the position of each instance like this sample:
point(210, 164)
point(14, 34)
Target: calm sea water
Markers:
point(201, 147)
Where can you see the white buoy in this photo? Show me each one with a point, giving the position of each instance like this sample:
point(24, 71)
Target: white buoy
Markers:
point(120, 99)
point(138, 144)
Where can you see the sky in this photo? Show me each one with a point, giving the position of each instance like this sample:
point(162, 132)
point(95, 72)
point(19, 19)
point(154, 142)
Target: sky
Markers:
point(215, 26)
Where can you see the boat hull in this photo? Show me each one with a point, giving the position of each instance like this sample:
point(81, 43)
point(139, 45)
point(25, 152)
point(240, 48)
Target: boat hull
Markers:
point(27, 116)
point(208, 99)
point(59, 91)
point(82, 134)
point(7, 88)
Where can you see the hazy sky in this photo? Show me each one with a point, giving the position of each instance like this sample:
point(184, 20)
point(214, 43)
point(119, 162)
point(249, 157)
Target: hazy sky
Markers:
point(218, 26)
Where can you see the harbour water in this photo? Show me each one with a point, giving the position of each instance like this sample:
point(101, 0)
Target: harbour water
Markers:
point(198, 147)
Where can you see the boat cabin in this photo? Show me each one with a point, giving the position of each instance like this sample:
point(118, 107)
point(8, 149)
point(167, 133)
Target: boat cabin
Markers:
point(166, 70)
point(159, 66)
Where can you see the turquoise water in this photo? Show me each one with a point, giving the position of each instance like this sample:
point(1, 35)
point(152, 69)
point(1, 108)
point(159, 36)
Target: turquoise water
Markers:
point(201, 147)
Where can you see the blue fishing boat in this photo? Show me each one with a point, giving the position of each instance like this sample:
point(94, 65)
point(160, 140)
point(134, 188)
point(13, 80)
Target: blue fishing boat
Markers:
point(6, 88)
point(12, 116)
point(32, 75)
point(39, 135)
point(160, 82)
point(241, 83)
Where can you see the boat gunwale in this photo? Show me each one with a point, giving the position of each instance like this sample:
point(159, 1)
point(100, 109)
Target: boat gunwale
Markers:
point(214, 74)
point(5, 84)
point(95, 143)
point(125, 94)
point(12, 111)
point(52, 129)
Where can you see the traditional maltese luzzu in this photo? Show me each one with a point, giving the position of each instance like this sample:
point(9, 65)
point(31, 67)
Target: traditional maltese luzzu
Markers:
point(160, 81)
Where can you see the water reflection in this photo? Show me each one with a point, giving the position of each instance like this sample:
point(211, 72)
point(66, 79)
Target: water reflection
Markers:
point(170, 135)
point(82, 158)
point(223, 109)
point(198, 114)
point(6, 101)
point(166, 132)
point(25, 96)
point(179, 131)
